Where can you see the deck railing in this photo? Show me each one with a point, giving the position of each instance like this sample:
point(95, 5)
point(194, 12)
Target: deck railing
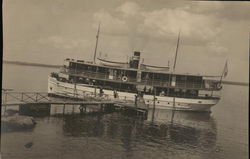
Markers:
point(155, 82)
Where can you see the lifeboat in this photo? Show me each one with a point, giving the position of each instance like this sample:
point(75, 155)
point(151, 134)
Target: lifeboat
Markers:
point(112, 63)
point(154, 68)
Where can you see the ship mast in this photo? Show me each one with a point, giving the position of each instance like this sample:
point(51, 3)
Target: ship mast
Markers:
point(171, 75)
point(176, 52)
point(96, 44)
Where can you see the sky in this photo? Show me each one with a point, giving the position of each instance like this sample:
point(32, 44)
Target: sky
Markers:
point(211, 33)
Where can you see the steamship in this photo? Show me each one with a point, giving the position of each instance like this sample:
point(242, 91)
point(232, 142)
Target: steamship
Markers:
point(125, 81)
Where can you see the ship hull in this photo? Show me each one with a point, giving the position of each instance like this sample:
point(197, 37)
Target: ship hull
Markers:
point(81, 91)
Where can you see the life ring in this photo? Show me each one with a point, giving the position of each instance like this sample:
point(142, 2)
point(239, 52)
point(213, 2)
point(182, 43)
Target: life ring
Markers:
point(219, 86)
point(124, 78)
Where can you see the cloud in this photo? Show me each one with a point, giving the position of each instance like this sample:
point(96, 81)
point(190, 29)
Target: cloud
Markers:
point(168, 22)
point(200, 23)
point(205, 7)
point(222, 10)
point(129, 9)
point(161, 24)
point(109, 23)
point(217, 49)
point(60, 42)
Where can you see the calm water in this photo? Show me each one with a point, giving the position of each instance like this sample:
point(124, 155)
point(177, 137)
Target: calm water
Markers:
point(175, 135)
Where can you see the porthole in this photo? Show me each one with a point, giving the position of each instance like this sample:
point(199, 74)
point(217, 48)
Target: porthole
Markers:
point(168, 103)
point(158, 102)
point(199, 102)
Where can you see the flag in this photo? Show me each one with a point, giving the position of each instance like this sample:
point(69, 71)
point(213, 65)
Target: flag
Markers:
point(225, 71)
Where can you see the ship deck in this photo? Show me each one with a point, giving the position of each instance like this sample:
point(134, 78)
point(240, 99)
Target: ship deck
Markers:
point(133, 81)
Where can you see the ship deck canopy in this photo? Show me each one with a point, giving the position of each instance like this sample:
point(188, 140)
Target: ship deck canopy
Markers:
point(127, 68)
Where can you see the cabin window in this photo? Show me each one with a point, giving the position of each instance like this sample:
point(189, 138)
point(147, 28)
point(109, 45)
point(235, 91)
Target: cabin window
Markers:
point(183, 78)
point(176, 90)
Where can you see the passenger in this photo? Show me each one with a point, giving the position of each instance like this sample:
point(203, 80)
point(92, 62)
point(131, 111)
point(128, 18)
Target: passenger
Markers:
point(142, 94)
point(145, 89)
point(120, 76)
point(115, 94)
point(136, 100)
point(101, 92)
point(162, 93)
point(149, 90)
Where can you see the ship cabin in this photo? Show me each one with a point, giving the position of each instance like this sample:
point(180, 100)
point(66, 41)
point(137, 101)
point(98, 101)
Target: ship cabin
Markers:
point(135, 77)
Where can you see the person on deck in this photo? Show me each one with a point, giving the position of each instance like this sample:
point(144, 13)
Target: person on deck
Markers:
point(101, 92)
point(145, 89)
point(115, 94)
point(162, 93)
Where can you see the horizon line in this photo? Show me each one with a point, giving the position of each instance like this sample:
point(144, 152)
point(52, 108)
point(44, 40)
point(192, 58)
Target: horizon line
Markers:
point(51, 65)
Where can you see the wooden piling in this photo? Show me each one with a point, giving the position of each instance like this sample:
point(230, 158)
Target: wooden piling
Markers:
point(95, 91)
point(172, 116)
point(101, 107)
point(4, 110)
point(153, 112)
point(73, 109)
point(63, 109)
point(5, 107)
point(174, 103)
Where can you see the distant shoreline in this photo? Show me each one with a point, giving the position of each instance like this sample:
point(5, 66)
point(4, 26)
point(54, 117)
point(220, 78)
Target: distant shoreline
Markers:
point(58, 66)
point(30, 64)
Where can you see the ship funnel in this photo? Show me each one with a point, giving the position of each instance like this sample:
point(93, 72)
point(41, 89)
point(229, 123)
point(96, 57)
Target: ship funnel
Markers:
point(134, 61)
point(137, 53)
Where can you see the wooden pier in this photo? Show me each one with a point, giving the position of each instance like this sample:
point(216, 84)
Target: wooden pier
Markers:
point(40, 100)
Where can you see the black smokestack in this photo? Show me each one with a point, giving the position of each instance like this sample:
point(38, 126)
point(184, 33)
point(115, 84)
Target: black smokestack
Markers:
point(134, 62)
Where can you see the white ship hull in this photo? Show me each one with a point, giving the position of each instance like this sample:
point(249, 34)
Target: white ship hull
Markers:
point(162, 102)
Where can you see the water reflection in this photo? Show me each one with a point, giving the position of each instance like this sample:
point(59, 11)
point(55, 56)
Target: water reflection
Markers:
point(184, 129)
point(194, 129)
point(169, 134)
point(12, 129)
